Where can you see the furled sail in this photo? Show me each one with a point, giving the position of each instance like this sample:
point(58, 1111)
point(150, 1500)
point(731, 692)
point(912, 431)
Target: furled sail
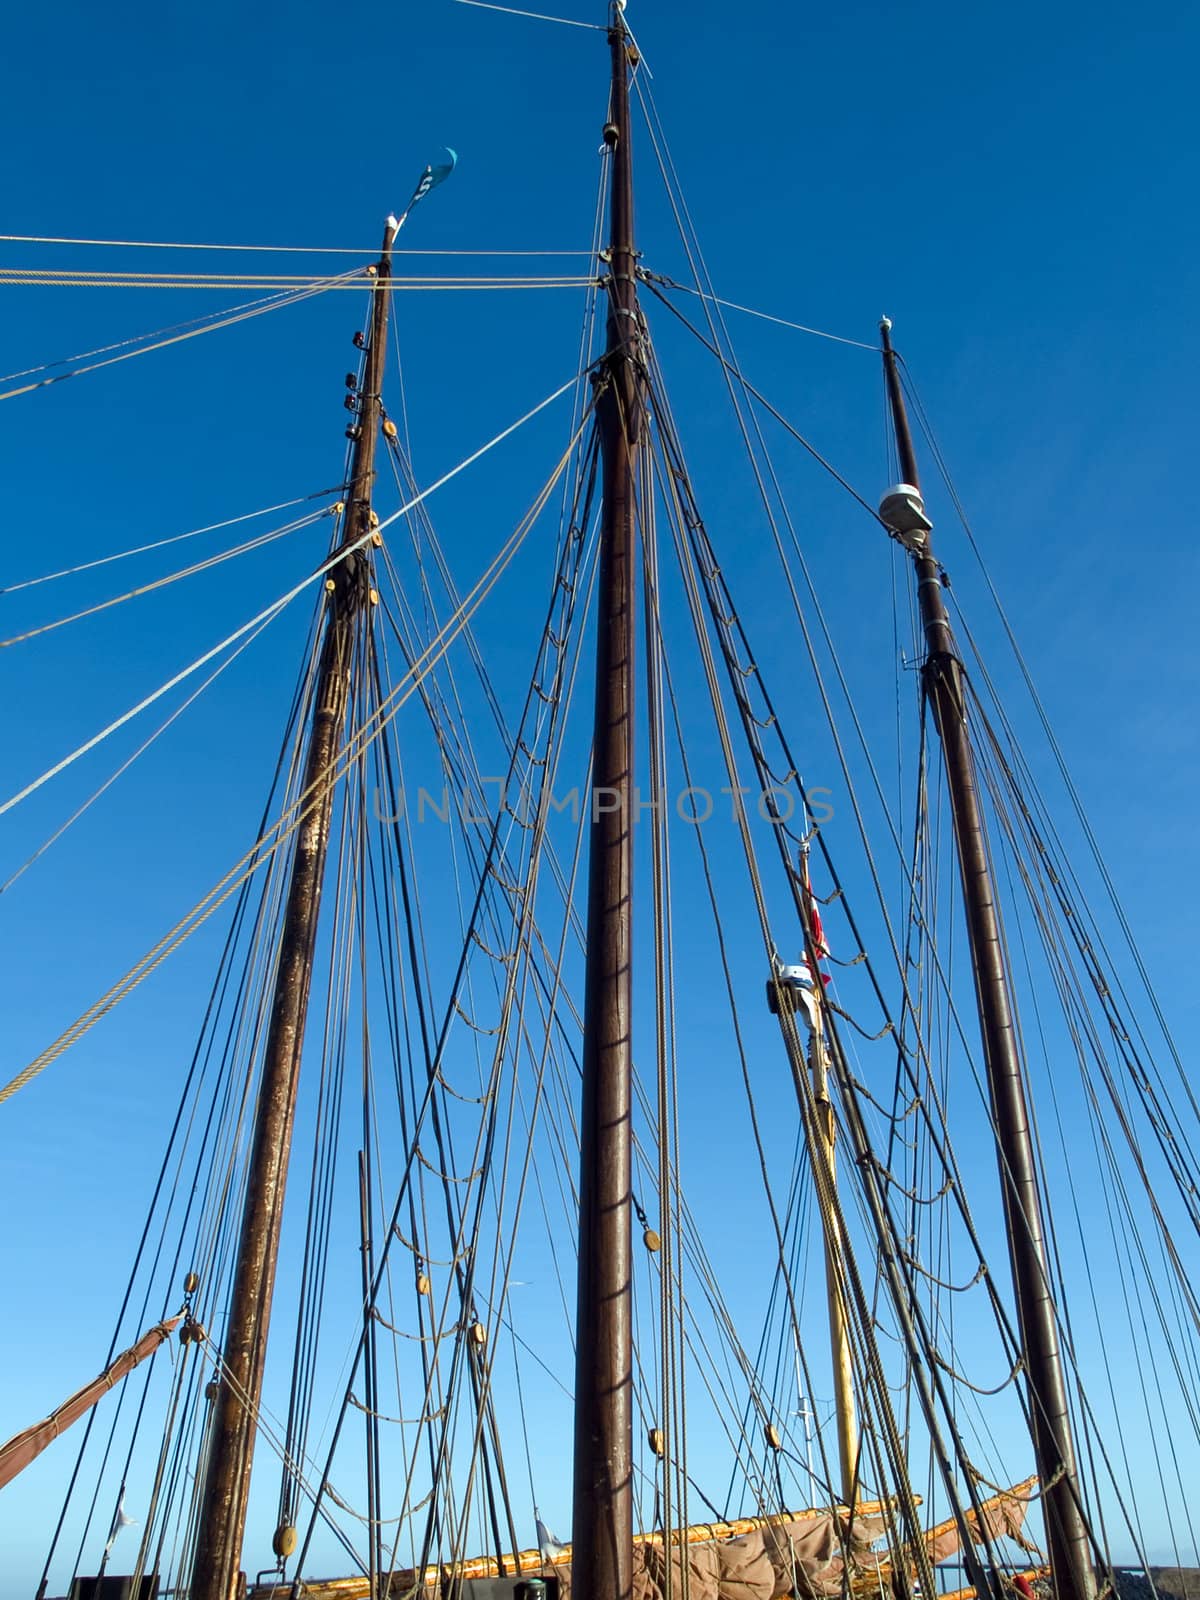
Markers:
point(1001, 1517)
point(752, 1558)
point(805, 1556)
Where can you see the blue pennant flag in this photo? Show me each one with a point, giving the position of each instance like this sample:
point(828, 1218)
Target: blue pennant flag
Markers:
point(431, 177)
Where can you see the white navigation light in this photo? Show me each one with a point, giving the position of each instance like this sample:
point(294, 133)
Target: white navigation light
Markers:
point(902, 512)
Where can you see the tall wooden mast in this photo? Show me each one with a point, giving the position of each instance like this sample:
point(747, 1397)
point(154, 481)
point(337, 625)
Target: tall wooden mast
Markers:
point(602, 1530)
point(845, 1409)
point(944, 682)
point(222, 1517)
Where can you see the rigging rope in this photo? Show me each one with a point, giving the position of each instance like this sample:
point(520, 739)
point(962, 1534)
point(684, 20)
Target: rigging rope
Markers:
point(257, 543)
point(765, 316)
point(283, 829)
point(224, 320)
point(538, 16)
point(129, 761)
point(293, 284)
point(158, 544)
point(276, 249)
point(285, 599)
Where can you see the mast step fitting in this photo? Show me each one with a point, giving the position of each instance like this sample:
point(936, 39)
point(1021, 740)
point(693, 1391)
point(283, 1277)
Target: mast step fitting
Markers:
point(902, 512)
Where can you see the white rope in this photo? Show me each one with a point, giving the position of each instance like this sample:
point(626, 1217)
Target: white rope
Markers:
point(257, 543)
point(767, 316)
point(538, 16)
point(273, 838)
point(171, 683)
point(135, 339)
point(276, 249)
point(74, 278)
point(175, 538)
point(268, 612)
point(128, 762)
point(224, 320)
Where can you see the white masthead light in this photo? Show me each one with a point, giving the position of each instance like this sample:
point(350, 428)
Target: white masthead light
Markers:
point(902, 512)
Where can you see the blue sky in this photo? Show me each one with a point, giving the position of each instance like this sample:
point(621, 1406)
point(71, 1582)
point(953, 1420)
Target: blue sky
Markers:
point(1014, 185)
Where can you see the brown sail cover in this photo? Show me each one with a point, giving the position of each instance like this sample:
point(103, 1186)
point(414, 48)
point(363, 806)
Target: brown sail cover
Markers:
point(20, 1450)
point(752, 1558)
point(805, 1557)
point(1002, 1517)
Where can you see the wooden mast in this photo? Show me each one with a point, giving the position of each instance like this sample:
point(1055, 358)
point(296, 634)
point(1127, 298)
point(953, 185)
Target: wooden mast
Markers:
point(602, 1530)
point(222, 1514)
point(839, 1332)
point(944, 682)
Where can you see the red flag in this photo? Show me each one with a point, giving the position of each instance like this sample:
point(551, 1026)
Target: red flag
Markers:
point(820, 948)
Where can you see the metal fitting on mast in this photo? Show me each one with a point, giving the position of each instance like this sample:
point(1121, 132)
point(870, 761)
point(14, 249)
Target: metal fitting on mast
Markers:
point(902, 512)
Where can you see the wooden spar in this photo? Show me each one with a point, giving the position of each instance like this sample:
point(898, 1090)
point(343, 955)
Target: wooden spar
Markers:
point(839, 1331)
point(1023, 1492)
point(944, 682)
point(1030, 1573)
point(522, 1561)
point(603, 1488)
point(845, 1409)
point(371, 1402)
point(222, 1512)
point(27, 1445)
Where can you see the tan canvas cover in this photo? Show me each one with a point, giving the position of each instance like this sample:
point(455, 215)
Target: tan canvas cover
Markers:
point(730, 1569)
point(942, 1544)
point(747, 1572)
point(703, 1566)
point(747, 1552)
point(1003, 1517)
point(808, 1555)
point(645, 1584)
point(562, 1571)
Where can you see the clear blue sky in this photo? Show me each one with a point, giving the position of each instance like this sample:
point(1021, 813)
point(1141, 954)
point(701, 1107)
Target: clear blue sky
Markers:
point(1014, 184)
